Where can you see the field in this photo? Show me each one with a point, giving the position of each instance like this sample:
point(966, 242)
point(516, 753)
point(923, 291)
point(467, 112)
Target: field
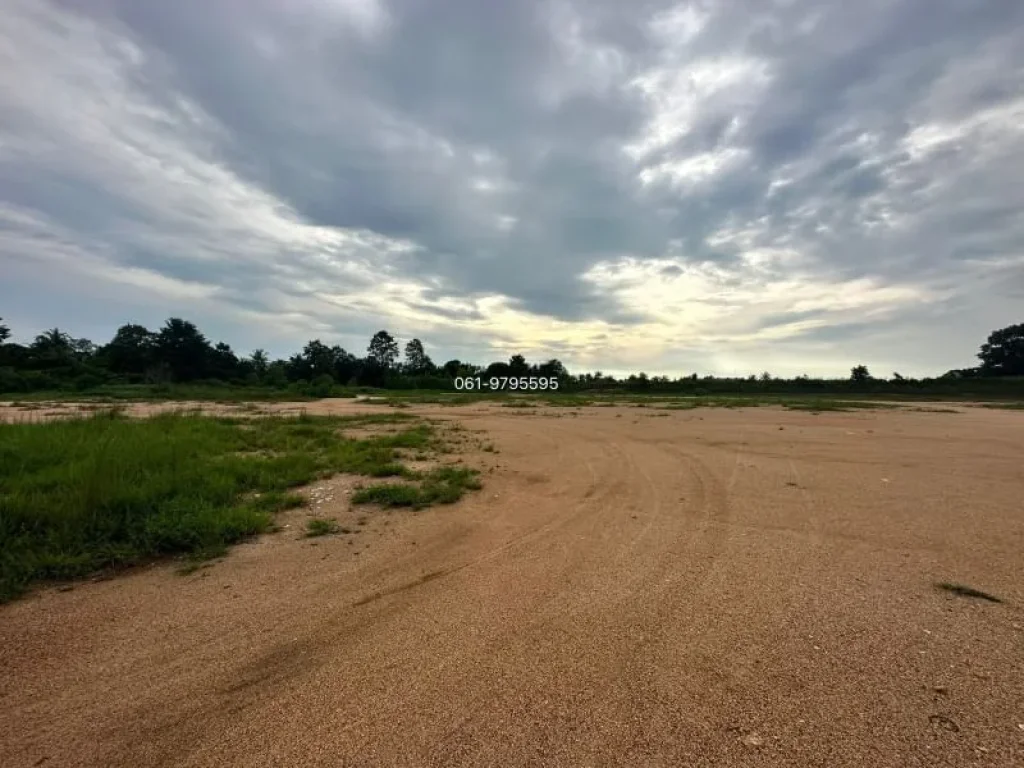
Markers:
point(634, 582)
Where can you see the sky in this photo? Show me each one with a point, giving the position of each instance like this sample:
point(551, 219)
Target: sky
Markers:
point(716, 187)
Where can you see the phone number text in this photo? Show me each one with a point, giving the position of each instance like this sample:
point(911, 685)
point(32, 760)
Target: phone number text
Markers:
point(501, 383)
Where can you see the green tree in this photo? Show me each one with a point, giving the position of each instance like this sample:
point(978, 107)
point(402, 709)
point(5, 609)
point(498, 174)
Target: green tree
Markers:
point(860, 374)
point(52, 348)
point(416, 359)
point(517, 365)
point(5, 332)
point(131, 351)
point(184, 349)
point(346, 365)
point(222, 363)
point(1003, 353)
point(277, 373)
point(452, 367)
point(552, 367)
point(320, 359)
point(258, 360)
point(383, 350)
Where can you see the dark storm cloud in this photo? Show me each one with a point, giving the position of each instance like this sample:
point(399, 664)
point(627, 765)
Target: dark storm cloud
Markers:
point(276, 151)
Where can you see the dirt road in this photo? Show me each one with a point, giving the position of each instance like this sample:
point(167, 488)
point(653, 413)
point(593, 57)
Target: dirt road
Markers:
point(748, 587)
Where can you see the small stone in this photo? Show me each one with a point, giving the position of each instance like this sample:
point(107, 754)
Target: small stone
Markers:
point(945, 722)
point(753, 739)
point(941, 689)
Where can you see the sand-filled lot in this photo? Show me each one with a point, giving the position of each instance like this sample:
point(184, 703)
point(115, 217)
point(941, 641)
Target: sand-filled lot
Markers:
point(632, 586)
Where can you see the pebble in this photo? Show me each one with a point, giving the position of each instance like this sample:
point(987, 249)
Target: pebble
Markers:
point(753, 739)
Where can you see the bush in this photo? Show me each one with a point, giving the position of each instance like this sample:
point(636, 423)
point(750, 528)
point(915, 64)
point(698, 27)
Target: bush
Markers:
point(322, 385)
point(11, 381)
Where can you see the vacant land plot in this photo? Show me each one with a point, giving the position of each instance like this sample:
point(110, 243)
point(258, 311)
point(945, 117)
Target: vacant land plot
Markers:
point(631, 586)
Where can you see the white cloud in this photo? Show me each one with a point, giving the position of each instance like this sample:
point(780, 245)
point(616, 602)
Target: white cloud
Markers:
point(712, 185)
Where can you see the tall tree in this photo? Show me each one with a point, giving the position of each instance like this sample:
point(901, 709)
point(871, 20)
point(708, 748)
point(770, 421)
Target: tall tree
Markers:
point(860, 374)
point(552, 367)
point(1003, 353)
point(517, 365)
point(320, 358)
point(5, 332)
point(184, 349)
point(53, 348)
point(258, 360)
point(131, 350)
point(346, 365)
point(416, 359)
point(452, 367)
point(383, 350)
point(222, 362)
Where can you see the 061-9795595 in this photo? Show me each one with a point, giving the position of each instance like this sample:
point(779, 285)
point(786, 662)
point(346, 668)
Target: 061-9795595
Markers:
point(506, 383)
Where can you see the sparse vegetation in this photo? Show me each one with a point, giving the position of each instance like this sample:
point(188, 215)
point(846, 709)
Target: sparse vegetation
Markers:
point(77, 495)
point(833, 405)
point(321, 526)
point(444, 485)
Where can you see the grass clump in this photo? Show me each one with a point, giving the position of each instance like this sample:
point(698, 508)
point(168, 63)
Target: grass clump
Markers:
point(962, 590)
point(78, 495)
point(832, 405)
point(444, 485)
point(321, 526)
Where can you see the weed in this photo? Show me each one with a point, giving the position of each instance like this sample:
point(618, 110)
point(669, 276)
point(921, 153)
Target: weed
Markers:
point(818, 405)
point(444, 485)
point(87, 493)
point(321, 526)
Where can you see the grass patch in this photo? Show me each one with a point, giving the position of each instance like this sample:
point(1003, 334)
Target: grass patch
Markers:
point(321, 526)
point(832, 405)
point(962, 590)
point(444, 485)
point(82, 494)
point(1005, 406)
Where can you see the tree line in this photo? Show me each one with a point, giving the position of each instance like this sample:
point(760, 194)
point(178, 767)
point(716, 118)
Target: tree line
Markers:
point(179, 353)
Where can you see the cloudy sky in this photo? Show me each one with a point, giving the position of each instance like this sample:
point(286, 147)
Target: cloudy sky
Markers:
point(722, 187)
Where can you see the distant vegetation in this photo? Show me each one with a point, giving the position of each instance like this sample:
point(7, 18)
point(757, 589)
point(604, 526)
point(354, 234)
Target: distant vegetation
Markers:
point(178, 361)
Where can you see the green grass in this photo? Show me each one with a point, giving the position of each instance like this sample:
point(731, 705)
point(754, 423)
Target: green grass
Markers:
point(321, 526)
point(444, 485)
point(817, 405)
point(79, 495)
point(962, 590)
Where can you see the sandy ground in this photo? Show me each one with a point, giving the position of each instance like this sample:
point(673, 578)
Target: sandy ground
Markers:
point(747, 587)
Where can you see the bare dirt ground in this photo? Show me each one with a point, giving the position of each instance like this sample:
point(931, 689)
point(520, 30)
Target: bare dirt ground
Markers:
point(749, 587)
